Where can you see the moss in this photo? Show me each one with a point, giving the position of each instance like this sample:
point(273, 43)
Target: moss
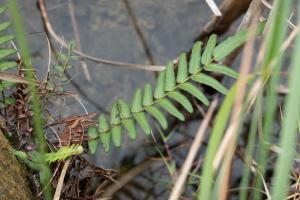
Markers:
point(13, 183)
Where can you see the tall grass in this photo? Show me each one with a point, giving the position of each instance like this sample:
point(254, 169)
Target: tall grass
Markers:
point(271, 66)
point(261, 131)
point(288, 135)
point(45, 172)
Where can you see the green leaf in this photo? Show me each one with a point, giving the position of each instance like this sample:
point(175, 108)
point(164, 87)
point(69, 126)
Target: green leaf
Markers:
point(20, 154)
point(222, 69)
point(148, 95)
point(7, 65)
point(116, 135)
point(102, 123)
point(158, 115)
point(92, 142)
point(194, 65)
point(59, 68)
point(217, 132)
point(6, 84)
point(61, 56)
point(124, 109)
point(116, 128)
point(114, 115)
point(63, 153)
point(130, 127)
point(208, 51)
point(6, 52)
point(233, 42)
point(137, 101)
point(4, 26)
point(160, 85)
point(127, 122)
point(140, 117)
point(2, 9)
point(5, 39)
point(105, 140)
point(193, 90)
point(207, 80)
point(170, 77)
point(170, 108)
point(180, 98)
point(182, 73)
point(9, 100)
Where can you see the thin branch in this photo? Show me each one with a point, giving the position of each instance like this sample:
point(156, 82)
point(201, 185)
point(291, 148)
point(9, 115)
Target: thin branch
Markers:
point(128, 176)
point(77, 39)
point(177, 189)
point(83, 55)
point(61, 180)
point(214, 8)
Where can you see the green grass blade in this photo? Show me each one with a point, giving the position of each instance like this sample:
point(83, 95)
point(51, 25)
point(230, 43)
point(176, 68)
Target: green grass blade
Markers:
point(288, 133)
point(274, 40)
point(20, 32)
point(249, 151)
point(218, 129)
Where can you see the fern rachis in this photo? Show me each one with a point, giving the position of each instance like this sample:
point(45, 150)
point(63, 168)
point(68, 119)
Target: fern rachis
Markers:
point(168, 87)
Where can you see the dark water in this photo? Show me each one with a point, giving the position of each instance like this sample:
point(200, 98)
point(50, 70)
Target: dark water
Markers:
point(106, 30)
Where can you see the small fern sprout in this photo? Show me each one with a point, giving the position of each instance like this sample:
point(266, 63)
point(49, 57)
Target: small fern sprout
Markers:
point(63, 153)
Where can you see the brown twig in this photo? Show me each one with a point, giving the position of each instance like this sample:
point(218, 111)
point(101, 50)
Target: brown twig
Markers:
point(50, 30)
point(231, 10)
point(127, 177)
point(177, 189)
point(61, 180)
point(77, 39)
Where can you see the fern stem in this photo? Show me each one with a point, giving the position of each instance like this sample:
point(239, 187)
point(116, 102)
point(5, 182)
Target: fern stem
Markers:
point(189, 78)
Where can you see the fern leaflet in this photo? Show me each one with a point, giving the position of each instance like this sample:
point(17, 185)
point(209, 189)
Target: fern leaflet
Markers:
point(168, 89)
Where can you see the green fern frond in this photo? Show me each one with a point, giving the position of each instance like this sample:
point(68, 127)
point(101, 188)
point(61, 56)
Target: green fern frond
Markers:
point(63, 153)
point(5, 51)
point(169, 89)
